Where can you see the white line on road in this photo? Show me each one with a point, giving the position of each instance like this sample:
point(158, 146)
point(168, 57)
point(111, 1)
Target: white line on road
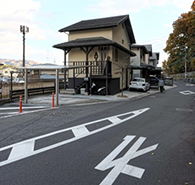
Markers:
point(24, 112)
point(17, 108)
point(121, 165)
point(81, 132)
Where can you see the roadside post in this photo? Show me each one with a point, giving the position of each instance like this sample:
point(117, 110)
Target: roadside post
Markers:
point(53, 100)
point(20, 110)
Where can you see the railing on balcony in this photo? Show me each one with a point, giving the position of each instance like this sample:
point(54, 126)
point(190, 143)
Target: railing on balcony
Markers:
point(95, 67)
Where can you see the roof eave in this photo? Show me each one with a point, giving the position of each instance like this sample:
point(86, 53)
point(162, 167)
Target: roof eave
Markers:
point(107, 42)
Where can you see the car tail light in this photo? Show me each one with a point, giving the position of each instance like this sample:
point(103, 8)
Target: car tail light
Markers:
point(143, 84)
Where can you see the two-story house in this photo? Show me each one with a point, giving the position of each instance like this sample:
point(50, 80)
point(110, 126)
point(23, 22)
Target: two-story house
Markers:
point(140, 66)
point(153, 60)
point(100, 48)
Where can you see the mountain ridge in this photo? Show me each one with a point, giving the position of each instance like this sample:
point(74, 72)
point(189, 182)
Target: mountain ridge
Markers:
point(18, 63)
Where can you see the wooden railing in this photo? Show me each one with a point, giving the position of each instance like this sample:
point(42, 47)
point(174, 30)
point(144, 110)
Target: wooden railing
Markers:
point(94, 67)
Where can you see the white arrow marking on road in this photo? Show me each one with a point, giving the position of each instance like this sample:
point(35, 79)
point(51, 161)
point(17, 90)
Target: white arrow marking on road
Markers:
point(25, 149)
point(120, 165)
point(187, 92)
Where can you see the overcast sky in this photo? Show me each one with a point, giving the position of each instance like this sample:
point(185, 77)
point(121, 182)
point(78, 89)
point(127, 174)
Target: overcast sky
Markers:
point(151, 21)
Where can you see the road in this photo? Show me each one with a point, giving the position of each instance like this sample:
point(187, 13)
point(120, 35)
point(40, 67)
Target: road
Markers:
point(146, 141)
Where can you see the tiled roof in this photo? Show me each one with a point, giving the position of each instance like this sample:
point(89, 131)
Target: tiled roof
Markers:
point(96, 23)
point(149, 48)
point(102, 23)
point(140, 46)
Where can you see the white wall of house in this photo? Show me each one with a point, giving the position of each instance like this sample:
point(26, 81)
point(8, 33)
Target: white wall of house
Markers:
point(120, 36)
point(151, 63)
point(135, 61)
point(147, 58)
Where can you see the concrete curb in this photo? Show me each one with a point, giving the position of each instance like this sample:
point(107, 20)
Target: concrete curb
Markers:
point(91, 99)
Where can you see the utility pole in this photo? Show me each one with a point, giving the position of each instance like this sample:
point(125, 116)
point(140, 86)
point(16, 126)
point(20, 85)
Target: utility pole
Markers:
point(24, 30)
point(185, 64)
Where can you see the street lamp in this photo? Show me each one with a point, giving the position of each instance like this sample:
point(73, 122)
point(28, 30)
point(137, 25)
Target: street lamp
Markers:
point(23, 30)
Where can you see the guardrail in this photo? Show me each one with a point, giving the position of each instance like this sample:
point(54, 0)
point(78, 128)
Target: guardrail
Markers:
point(34, 91)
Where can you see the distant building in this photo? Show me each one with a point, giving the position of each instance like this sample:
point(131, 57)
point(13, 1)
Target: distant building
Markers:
point(6, 72)
point(153, 60)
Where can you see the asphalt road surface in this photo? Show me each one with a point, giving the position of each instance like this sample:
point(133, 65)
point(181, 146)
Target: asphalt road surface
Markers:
point(148, 141)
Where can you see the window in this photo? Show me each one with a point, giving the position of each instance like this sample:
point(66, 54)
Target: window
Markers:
point(6, 71)
point(123, 26)
point(123, 41)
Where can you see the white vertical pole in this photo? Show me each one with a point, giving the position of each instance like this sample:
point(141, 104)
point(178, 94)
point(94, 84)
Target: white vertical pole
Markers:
point(26, 86)
point(57, 86)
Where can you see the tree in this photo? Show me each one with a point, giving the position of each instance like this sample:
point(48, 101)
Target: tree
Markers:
point(165, 66)
point(181, 43)
point(122, 67)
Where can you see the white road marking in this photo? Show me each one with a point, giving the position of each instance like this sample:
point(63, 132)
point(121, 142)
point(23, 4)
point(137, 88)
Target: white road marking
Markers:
point(187, 92)
point(24, 112)
point(17, 108)
point(79, 132)
point(121, 165)
point(184, 110)
point(21, 151)
point(190, 85)
point(133, 171)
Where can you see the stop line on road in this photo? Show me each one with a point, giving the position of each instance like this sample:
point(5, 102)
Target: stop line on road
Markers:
point(27, 148)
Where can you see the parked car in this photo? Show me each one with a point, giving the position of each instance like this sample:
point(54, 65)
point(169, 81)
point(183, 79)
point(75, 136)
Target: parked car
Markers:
point(18, 80)
point(139, 84)
point(154, 82)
